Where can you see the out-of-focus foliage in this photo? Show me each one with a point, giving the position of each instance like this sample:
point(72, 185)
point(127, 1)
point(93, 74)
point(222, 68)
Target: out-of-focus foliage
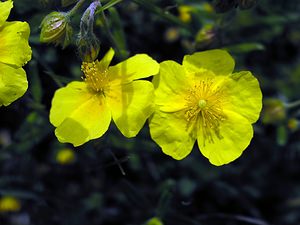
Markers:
point(115, 180)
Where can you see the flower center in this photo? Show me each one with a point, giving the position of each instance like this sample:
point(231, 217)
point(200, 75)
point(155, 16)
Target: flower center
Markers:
point(95, 76)
point(204, 108)
point(202, 103)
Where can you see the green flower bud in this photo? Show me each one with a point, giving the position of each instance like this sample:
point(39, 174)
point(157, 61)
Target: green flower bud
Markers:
point(88, 48)
point(87, 43)
point(205, 36)
point(273, 111)
point(55, 28)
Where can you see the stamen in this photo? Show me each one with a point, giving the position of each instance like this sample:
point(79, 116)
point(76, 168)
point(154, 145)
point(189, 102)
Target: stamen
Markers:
point(204, 109)
point(96, 78)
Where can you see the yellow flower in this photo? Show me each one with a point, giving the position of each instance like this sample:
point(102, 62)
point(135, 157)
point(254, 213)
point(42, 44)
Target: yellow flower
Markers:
point(203, 100)
point(14, 53)
point(65, 156)
point(185, 13)
point(82, 111)
point(9, 204)
point(154, 221)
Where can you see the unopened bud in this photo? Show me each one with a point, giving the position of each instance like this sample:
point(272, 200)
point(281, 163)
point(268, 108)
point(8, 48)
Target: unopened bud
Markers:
point(205, 36)
point(56, 28)
point(88, 48)
point(273, 111)
point(87, 42)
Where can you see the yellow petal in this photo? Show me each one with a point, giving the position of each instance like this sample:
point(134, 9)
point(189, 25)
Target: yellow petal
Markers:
point(131, 105)
point(169, 131)
point(245, 96)
point(5, 8)
point(218, 61)
point(13, 84)
point(136, 67)
point(235, 134)
point(170, 86)
point(105, 61)
point(14, 48)
point(79, 114)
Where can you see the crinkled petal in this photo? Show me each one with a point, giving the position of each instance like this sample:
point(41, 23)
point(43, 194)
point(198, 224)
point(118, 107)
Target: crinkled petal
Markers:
point(235, 134)
point(244, 95)
point(5, 8)
point(218, 61)
point(14, 48)
point(170, 131)
point(13, 84)
point(136, 67)
point(79, 114)
point(171, 86)
point(131, 105)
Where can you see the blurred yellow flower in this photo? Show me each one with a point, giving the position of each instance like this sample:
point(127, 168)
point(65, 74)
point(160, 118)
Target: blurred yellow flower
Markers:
point(154, 221)
point(9, 204)
point(65, 156)
point(14, 53)
point(185, 13)
point(82, 111)
point(203, 100)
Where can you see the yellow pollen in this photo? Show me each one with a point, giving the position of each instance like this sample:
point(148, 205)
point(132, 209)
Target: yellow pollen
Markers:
point(95, 76)
point(204, 108)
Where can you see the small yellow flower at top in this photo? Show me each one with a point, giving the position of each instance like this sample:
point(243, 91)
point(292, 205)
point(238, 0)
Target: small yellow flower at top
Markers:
point(185, 13)
point(82, 111)
point(14, 53)
point(65, 156)
point(203, 100)
point(9, 204)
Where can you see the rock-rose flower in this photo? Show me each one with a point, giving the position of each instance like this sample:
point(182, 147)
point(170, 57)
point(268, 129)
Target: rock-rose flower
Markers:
point(82, 111)
point(203, 100)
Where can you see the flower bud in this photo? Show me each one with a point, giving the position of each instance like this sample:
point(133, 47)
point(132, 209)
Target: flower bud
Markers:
point(273, 111)
point(55, 28)
point(87, 43)
point(88, 48)
point(205, 36)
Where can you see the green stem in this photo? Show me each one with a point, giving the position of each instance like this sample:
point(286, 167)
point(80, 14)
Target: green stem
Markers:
point(76, 7)
point(108, 5)
point(294, 104)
